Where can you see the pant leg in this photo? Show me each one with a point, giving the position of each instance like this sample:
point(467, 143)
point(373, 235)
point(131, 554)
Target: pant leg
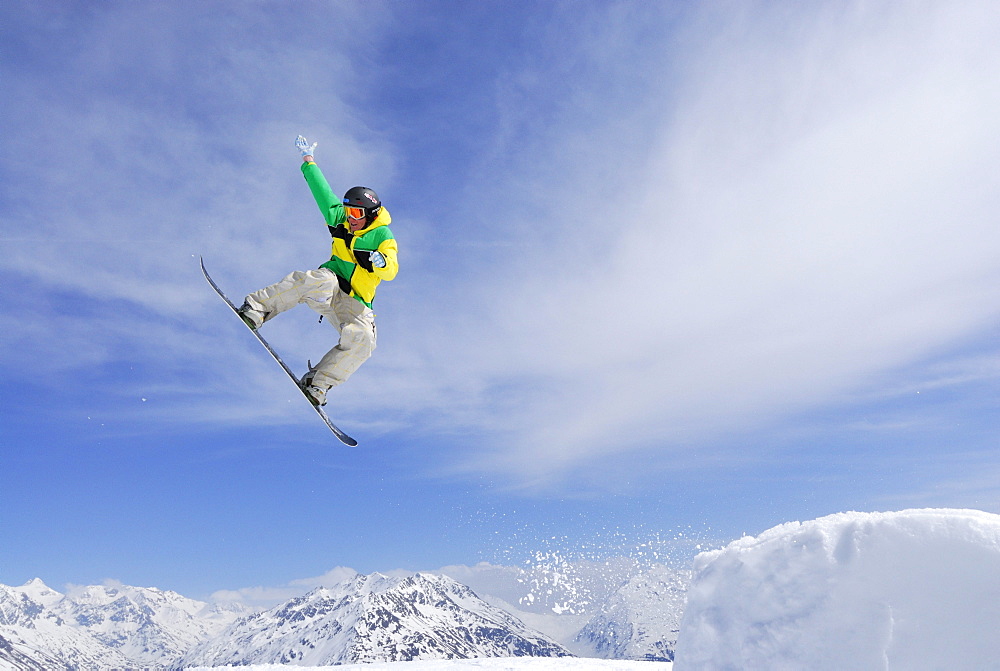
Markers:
point(356, 324)
point(315, 288)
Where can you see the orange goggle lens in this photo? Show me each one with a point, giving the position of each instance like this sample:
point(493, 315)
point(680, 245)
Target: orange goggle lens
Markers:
point(355, 212)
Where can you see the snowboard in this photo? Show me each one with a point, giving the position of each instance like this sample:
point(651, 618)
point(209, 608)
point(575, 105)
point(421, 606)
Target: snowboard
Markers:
point(343, 437)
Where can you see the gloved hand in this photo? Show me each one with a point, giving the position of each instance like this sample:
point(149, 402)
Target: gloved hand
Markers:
point(377, 259)
point(303, 146)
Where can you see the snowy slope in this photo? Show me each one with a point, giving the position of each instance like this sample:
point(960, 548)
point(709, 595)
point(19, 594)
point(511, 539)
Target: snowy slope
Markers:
point(21, 658)
point(375, 618)
point(494, 664)
point(914, 590)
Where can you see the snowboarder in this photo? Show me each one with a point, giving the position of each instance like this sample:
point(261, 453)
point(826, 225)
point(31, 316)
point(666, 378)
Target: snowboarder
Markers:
point(343, 288)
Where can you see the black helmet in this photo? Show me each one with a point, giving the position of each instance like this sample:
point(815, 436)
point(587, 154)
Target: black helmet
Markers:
point(362, 196)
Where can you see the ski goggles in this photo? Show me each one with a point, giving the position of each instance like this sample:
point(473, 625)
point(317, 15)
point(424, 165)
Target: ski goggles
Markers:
point(355, 212)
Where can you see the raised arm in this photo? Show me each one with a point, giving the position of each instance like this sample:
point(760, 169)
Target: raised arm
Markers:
point(329, 204)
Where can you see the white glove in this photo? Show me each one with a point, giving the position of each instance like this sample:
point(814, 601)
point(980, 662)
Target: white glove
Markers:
point(378, 260)
point(303, 146)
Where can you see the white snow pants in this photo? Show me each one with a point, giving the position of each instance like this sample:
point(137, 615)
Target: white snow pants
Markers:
point(320, 290)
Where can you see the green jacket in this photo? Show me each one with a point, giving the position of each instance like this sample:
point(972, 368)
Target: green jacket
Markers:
point(349, 259)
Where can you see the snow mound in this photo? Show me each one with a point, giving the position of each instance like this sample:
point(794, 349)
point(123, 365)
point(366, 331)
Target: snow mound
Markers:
point(916, 589)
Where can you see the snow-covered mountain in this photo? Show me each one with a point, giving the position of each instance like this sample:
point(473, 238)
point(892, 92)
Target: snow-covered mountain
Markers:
point(112, 626)
point(375, 618)
point(145, 624)
point(641, 620)
point(365, 618)
point(37, 635)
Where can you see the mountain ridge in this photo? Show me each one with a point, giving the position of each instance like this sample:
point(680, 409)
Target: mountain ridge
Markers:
point(371, 618)
point(362, 618)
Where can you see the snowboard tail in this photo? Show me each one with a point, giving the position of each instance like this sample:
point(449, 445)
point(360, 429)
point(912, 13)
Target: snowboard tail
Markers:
point(343, 437)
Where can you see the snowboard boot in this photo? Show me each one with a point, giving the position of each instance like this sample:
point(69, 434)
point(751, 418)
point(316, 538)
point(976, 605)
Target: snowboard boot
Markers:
point(251, 316)
point(315, 393)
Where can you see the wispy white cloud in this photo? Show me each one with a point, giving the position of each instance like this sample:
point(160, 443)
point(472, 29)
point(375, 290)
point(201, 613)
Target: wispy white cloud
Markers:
point(266, 597)
point(814, 206)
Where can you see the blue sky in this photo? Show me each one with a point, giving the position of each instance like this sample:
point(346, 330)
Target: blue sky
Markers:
point(668, 270)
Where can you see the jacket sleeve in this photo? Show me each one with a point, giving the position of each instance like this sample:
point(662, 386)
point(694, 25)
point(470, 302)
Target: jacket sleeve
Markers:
point(329, 205)
point(389, 250)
